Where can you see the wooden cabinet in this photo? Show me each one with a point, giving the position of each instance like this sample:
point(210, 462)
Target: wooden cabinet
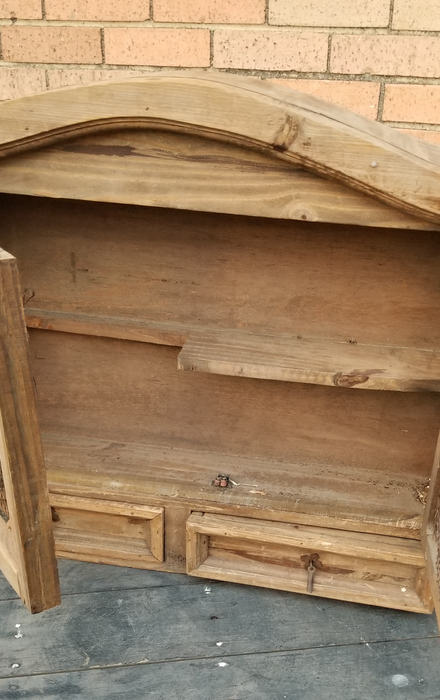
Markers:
point(232, 299)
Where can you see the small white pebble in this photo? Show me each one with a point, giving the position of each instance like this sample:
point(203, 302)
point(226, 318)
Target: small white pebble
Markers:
point(222, 664)
point(400, 680)
point(207, 589)
point(15, 666)
point(373, 164)
point(17, 626)
point(403, 590)
point(219, 644)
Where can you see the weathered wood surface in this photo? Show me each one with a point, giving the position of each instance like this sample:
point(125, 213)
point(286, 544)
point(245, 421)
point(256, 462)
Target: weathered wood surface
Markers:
point(83, 577)
point(27, 552)
point(177, 622)
point(431, 531)
point(160, 641)
point(364, 568)
point(181, 171)
point(393, 167)
point(311, 361)
point(184, 270)
point(322, 495)
point(108, 531)
point(341, 673)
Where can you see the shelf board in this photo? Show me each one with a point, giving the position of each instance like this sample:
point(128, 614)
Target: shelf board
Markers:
point(311, 361)
point(326, 495)
point(247, 354)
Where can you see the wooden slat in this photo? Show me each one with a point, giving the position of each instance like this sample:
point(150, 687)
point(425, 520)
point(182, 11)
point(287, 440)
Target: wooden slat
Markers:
point(93, 529)
point(138, 329)
point(431, 531)
point(395, 168)
point(341, 672)
point(386, 278)
point(166, 169)
point(28, 556)
point(311, 361)
point(288, 492)
point(358, 567)
point(351, 544)
point(177, 622)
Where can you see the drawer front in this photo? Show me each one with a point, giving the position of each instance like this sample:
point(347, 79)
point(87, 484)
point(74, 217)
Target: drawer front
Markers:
point(107, 532)
point(364, 568)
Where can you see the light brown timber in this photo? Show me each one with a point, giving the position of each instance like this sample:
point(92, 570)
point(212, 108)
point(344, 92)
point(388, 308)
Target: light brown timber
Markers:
point(27, 553)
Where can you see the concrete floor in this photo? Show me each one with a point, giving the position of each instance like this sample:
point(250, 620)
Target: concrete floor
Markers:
point(132, 634)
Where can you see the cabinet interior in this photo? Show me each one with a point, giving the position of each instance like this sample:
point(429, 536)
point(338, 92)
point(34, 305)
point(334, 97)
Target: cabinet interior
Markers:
point(131, 418)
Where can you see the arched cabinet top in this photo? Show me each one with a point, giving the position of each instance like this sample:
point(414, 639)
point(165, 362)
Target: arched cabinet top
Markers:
point(395, 176)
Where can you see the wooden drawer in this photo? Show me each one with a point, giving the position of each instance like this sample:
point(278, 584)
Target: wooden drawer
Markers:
point(108, 532)
point(365, 568)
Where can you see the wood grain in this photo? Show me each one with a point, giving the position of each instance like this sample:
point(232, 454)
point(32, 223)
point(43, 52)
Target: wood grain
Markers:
point(182, 171)
point(27, 553)
point(148, 401)
point(189, 270)
point(310, 361)
point(172, 623)
point(288, 492)
point(296, 128)
point(107, 531)
point(365, 569)
point(431, 531)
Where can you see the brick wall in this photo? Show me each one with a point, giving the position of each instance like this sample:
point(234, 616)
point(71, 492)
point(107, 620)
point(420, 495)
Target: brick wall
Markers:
point(378, 57)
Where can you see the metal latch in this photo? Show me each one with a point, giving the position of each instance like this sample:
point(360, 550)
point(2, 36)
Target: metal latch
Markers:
point(312, 562)
point(222, 481)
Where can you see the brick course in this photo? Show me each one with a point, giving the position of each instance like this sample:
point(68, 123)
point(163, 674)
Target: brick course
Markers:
point(99, 10)
point(413, 14)
point(20, 9)
point(329, 13)
point(380, 58)
point(18, 82)
point(361, 97)
point(412, 103)
point(417, 56)
point(270, 50)
point(206, 11)
point(187, 48)
point(51, 44)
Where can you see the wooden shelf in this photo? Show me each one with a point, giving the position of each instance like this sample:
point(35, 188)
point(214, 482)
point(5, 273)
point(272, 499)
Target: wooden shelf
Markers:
point(320, 494)
point(311, 361)
point(245, 354)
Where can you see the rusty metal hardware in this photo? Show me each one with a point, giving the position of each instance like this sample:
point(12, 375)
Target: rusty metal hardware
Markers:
point(222, 481)
point(55, 517)
point(312, 562)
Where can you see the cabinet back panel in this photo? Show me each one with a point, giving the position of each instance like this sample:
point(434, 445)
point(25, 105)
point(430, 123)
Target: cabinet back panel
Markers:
point(132, 392)
point(320, 280)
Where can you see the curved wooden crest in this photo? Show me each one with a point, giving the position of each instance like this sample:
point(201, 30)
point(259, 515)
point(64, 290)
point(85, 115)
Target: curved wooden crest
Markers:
point(329, 141)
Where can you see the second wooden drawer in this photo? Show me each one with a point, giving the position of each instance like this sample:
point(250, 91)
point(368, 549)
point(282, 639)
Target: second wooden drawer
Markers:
point(360, 567)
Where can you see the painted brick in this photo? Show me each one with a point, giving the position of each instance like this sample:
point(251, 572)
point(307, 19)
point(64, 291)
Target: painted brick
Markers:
point(386, 55)
point(417, 14)
point(98, 10)
point(216, 11)
point(431, 136)
point(18, 82)
point(64, 78)
point(270, 50)
point(329, 13)
point(412, 103)
point(157, 47)
point(361, 97)
point(51, 44)
point(21, 9)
